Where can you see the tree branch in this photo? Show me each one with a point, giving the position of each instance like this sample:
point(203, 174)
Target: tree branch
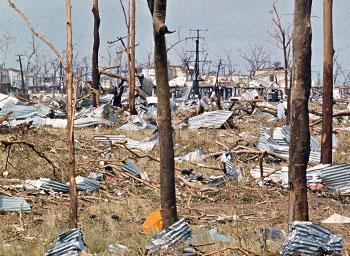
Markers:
point(37, 34)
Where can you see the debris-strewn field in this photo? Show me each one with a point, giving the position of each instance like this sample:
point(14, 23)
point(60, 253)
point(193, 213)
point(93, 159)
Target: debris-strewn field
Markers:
point(245, 213)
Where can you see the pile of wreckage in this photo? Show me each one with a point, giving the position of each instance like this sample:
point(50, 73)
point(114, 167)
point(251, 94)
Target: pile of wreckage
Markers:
point(50, 112)
point(304, 237)
point(334, 177)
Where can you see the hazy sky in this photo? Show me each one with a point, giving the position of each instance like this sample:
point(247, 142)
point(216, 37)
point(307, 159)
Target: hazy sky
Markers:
point(233, 25)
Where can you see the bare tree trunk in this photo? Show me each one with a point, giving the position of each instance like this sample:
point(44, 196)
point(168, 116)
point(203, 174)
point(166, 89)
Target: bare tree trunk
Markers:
point(131, 55)
point(73, 210)
point(327, 105)
point(95, 49)
point(300, 135)
point(167, 174)
point(286, 85)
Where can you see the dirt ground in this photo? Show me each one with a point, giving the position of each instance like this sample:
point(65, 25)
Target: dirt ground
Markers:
point(106, 218)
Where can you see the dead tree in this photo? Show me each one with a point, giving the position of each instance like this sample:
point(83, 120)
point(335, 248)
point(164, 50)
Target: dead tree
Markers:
point(68, 66)
point(284, 39)
point(258, 58)
point(95, 49)
point(327, 103)
point(299, 150)
point(129, 49)
point(71, 97)
point(167, 174)
point(132, 84)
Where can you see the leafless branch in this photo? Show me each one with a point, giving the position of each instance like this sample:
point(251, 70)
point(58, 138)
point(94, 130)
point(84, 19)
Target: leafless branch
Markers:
point(37, 34)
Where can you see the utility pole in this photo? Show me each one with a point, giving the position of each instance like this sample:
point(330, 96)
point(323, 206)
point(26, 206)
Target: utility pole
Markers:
point(197, 61)
point(61, 83)
point(217, 87)
point(22, 77)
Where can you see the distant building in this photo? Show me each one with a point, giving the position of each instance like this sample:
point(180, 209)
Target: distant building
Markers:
point(177, 79)
point(271, 76)
point(4, 81)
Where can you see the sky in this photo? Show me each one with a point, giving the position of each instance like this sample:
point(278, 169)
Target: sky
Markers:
point(233, 26)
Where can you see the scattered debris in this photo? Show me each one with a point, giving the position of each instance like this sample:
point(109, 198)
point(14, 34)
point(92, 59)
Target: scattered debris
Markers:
point(14, 204)
point(311, 239)
point(145, 145)
point(232, 173)
point(70, 243)
point(195, 156)
point(86, 184)
point(136, 123)
point(210, 235)
point(117, 248)
point(336, 219)
point(130, 167)
point(216, 181)
point(153, 223)
point(279, 143)
point(274, 234)
point(211, 120)
point(171, 235)
point(192, 176)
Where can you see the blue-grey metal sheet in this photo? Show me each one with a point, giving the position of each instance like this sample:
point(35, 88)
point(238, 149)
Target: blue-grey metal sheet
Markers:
point(171, 235)
point(145, 145)
point(13, 204)
point(131, 167)
point(70, 243)
point(211, 120)
point(311, 240)
point(281, 145)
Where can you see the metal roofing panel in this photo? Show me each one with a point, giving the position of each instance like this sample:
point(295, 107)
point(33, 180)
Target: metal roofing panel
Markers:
point(171, 235)
point(12, 204)
point(211, 120)
point(311, 240)
point(68, 244)
point(145, 145)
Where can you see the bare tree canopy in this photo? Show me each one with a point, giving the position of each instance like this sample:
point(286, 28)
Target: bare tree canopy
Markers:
point(257, 58)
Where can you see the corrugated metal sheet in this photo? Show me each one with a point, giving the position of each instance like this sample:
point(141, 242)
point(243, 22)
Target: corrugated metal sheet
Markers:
point(61, 123)
point(23, 112)
point(275, 177)
point(70, 243)
point(311, 177)
point(232, 173)
point(311, 240)
point(55, 186)
point(211, 120)
point(13, 204)
point(336, 176)
point(131, 167)
point(86, 184)
point(136, 123)
point(7, 100)
point(281, 144)
point(145, 145)
point(171, 235)
point(91, 122)
point(194, 156)
point(314, 142)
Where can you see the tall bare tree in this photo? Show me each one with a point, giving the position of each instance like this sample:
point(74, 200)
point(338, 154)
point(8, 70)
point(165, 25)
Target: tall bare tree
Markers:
point(257, 58)
point(327, 103)
point(95, 49)
point(299, 150)
point(71, 92)
point(167, 174)
point(71, 100)
point(283, 37)
point(132, 84)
